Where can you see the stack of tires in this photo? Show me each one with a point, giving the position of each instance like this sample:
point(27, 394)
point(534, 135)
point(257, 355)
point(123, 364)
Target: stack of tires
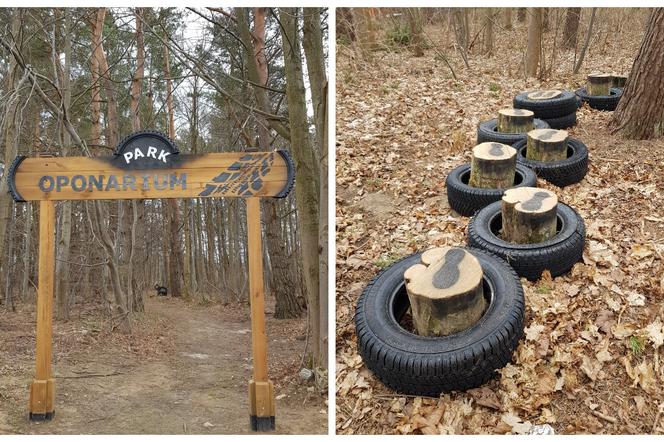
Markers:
point(559, 111)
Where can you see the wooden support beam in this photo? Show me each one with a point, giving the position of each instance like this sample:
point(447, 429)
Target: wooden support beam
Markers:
point(42, 390)
point(515, 121)
point(529, 215)
point(599, 84)
point(261, 390)
point(492, 166)
point(445, 292)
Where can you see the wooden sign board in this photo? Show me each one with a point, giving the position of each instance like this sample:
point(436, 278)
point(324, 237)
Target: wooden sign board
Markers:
point(145, 165)
point(148, 165)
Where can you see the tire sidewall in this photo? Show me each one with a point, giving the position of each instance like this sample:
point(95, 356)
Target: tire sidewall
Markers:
point(580, 154)
point(377, 302)
point(480, 223)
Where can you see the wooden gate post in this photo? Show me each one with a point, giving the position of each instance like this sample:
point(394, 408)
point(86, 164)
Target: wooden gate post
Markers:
point(261, 390)
point(42, 390)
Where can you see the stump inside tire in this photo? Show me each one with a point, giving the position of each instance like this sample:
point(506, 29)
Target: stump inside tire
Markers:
point(466, 200)
point(561, 173)
point(603, 103)
point(429, 366)
point(557, 254)
point(487, 131)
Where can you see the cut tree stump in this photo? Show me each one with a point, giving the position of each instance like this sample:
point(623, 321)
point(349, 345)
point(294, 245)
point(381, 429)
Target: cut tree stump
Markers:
point(492, 166)
point(547, 145)
point(618, 80)
point(529, 215)
point(544, 94)
point(515, 121)
point(446, 292)
point(599, 84)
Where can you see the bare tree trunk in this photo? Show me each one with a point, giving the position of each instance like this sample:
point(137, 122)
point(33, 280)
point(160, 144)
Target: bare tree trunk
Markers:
point(10, 140)
point(62, 269)
point(307, 189)
point(507, 18)
point(640, 112)
point(176, 258)
point(138, 251)
point(545, 20)
point(571, 32)
point(283, 275)
point(488, 31)
point(534, 41)
point(415, 23)
point(521, 14)
point(314, 53)
point(579, 62)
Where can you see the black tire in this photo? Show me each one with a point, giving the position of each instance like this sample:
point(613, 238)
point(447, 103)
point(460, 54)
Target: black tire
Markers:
point(563, 122)
point(561, 173)
point(466, 200)
point(486, 131)
point(428, 366)
point(558, 254)
point(603, 103)
point(552, 108)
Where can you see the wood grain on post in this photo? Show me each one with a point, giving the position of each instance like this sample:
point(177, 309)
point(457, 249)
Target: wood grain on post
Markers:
point(618, 80)
point(547, 145)
point(445, 291)
point(544, 94)
point(261, 390)
point(529, 215)
point(515, 121)
point(492, 166)
point(42, 390)
point(599, 84)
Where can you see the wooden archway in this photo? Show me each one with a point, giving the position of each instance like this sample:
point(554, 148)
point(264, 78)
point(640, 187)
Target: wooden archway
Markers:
point(146, 165)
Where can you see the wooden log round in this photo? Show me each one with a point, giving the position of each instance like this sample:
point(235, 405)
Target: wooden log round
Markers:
point(547, 145)
point(492, 166)
point(515, 121)
point(599, 84)
point(618, 80)
point(529, 215)
point(544, 94)
point(445, 291)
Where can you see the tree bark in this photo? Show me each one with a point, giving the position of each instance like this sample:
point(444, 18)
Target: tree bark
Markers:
point(282, 278)
point(10, 139)
point(507, 18)
point(315, 55)
point(176, 258)
point(640, 112)
point(579, 62)
point(138, 251)
point(571, 31)
point(415, 24)
point(534, 41)
point(521, 14)
point(307, 188)
point(62, 270)
point(488, 31)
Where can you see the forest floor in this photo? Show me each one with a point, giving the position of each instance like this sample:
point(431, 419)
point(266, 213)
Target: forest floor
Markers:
point(589, 361)
point(183, 370)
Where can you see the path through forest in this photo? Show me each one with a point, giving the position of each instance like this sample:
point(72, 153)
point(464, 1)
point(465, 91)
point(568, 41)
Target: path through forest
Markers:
point(184, 371)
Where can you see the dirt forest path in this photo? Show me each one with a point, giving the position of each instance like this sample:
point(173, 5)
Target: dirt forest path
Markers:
point(195, 384)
